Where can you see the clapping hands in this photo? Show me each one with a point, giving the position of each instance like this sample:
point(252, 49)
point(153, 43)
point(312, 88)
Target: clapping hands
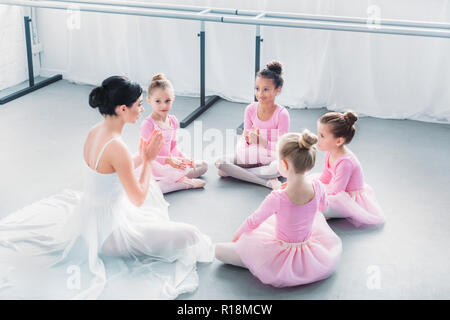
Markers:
point(252, 136)
point(149, 149)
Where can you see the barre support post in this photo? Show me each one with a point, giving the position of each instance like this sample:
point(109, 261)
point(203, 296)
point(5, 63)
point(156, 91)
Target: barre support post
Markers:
point(204, 105)
point(258, 41)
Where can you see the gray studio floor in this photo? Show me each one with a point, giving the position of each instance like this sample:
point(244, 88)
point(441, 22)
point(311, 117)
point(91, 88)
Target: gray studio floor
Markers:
point(406, 162)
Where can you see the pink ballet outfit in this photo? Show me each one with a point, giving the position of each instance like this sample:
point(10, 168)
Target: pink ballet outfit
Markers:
point(283, 244)
point(271, 129)
point(160, 170)
point(349, 197)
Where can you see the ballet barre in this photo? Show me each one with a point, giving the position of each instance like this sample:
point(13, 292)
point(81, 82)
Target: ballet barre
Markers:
point(248, 17)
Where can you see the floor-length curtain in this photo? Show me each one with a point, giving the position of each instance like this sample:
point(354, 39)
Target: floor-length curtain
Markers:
point(13, 67)
point(386, 76)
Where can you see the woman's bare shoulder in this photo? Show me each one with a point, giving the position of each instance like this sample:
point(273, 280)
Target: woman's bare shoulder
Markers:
point(93, 131)
point(91, 136)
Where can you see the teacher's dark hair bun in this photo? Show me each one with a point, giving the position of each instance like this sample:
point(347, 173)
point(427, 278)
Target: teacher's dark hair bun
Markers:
point(97, 97)
point(113, 92)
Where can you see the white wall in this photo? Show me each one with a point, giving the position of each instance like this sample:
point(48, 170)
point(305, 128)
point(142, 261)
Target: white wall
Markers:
point(13, 64)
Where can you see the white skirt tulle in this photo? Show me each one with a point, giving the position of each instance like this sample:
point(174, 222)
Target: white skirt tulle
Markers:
point(66, 247)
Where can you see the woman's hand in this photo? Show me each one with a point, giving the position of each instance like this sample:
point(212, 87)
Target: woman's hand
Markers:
point(141, 148)
point(150, 149)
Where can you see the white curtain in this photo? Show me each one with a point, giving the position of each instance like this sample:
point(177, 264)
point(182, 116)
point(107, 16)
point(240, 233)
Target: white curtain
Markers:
point(386, 76)
point(13, 63)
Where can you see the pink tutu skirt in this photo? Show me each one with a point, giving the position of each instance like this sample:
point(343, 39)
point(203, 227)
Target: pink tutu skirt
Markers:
point(167, 173)
point(253, 154)
point(283, 264)
point(358, 207)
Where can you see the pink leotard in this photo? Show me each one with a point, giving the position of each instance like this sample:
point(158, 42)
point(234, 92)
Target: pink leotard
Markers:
point(169, 147)
point(293, 222)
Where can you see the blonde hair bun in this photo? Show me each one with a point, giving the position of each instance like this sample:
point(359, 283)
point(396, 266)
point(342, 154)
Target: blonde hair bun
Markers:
point(159, 76)
point(159, 81)
point(307, 139)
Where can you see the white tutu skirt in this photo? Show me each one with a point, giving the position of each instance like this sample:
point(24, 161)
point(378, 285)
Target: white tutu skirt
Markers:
point(67, 246)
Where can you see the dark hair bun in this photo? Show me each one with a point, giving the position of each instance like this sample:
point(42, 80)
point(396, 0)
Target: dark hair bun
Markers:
point(275, 66)
point(114, 91)
point(351, 117)
point(97, 97)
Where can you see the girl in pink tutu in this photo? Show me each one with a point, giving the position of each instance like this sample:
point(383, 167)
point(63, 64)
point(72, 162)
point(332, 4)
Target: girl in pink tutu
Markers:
point(287, 241)
point(264, 121)
point(349, 197)
point(172, 169)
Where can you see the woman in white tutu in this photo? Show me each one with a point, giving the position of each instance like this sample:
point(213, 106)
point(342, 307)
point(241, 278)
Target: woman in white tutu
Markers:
point(114, 239)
